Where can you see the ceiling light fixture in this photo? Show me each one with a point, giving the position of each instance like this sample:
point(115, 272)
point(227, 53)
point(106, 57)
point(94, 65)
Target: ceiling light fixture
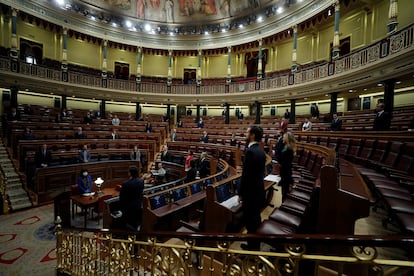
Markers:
point(114, 24)
point(260, 19)
point(128, 24)
point(279, 10)
point(93, 18)
point(241, 26)
point(223, 30)
point(206, 32)
point(147, 27)
point(397, 82)
point(60, 2)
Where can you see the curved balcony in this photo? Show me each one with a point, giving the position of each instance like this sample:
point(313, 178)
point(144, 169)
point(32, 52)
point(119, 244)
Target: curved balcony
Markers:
point(385, 59)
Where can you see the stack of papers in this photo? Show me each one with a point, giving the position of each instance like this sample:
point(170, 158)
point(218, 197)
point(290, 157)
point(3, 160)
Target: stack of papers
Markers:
point(272, 178)
point(231, 202)
point(88, 194)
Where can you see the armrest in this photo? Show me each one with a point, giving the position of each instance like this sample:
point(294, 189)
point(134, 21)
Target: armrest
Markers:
point(291, 211)
point(298, 199)
point(192, 226)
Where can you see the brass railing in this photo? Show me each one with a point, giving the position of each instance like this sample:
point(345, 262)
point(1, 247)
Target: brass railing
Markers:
point(122, 253)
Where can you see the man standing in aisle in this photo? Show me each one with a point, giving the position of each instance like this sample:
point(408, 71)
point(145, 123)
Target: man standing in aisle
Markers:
point(252, 194)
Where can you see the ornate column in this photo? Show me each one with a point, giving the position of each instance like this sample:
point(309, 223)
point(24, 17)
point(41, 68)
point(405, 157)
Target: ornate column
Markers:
point(137, 111)
point(294, 67)
point(260, 61)
point(14, 55)
point(389, 87)
point(169, 73)
point(14, 91)
point(139, 69)
point(102, 109)
point(292, 111)
point(228, 80)
point(64, 63)
point(392, 17)
point(200, 56)
point(64, 102)
point(104, 64)
point(258, 112)
point(335, 44)
point(334, 104)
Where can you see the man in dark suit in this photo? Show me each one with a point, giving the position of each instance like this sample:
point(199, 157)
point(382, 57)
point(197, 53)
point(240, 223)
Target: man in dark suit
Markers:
point(382, 119)
point(43, 157)
point(336, 123)
point(88, 119)
point(14, 115)
point(165, 154)
point(204, 138)
point(79, 134)
point(252, 194)
point(200, 123)
point(130, 199)
point(204, 166)
point(84, 154)
point(287, 114)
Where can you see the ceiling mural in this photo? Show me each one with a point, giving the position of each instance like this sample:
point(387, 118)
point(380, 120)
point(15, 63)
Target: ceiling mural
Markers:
point(180, 11)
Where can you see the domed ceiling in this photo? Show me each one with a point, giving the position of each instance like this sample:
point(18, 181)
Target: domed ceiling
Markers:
point(182, 11)
point(175, 24)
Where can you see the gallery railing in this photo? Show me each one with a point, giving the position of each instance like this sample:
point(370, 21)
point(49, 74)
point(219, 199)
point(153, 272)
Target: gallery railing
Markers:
point(121, 253)
point(389, 46)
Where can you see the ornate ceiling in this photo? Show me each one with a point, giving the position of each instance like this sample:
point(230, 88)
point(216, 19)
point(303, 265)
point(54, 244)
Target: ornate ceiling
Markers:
point(175, 24)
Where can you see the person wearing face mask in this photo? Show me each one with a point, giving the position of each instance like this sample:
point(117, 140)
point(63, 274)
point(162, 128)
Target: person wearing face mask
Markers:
point(84, 182)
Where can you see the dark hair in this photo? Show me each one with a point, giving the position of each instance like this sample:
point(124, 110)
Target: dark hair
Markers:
point(258, 133)
point(133, 170)
point(335, 113)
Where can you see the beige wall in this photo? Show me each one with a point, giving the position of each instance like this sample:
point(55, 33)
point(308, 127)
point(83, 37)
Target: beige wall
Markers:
point(85, 104)
point(35, 98)
point(363, 26)
point(120, 107)
point(83, 53)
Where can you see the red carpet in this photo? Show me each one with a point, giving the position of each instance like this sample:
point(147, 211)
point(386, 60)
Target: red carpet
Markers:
point(27, 246)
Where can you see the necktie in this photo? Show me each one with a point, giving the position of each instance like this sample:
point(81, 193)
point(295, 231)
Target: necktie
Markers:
point(135, 155)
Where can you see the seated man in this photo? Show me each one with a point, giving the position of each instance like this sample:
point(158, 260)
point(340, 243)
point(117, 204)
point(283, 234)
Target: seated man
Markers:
point(114, 135)
point(135, 154)
point(130, 199)
point(336, 123)
point(43, 157)
point(200, 123)
point(88, 119)
point(116, 121)
point(27, 134)
point(173, 135)
point(159, 174)
point(79, 134)
point(84, 154)
point(307, 125)
point(204, 138)
point(14, 115)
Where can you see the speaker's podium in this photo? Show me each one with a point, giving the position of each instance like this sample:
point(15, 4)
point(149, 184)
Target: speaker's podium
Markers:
point(62, 208)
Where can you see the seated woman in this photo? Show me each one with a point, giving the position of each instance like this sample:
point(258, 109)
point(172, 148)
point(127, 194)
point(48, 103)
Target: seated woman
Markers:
point(84, 182)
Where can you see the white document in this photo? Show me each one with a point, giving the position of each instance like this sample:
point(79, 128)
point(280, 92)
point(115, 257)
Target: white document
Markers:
point(231, 202)
point(272, 178)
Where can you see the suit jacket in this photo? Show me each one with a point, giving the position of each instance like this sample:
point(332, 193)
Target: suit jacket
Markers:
point(287, 115)
point(336, 125)
point(204, 168)
point(285, 160)
point(173, 136)
point(82, 157)
point(278, 148)
point(137, 157)
point(200, 124)
point(166, 156)
point(80, 135)
point(41, 158)
point(191, 175)
point(204, 139)
point(85, 184)
point(87, 120)
point(252, 184)
point(130, 199)
point(382, 122)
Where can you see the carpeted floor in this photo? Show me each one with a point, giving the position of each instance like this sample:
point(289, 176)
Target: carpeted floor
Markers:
point(27, 241)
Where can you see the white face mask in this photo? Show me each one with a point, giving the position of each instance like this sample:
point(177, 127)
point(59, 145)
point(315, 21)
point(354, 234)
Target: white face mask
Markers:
point(85, 174)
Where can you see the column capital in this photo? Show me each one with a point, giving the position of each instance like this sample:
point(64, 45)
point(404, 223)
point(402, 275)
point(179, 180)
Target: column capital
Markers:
point(337, 5)
point(295, 28)
point(14, 11)
point(229, 49)
point(260, 40)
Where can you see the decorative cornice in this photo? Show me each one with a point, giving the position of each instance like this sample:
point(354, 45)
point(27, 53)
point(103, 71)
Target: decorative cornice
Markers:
point(253, 32)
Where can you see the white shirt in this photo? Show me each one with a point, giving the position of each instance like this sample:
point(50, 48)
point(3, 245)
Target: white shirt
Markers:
point(252, 143)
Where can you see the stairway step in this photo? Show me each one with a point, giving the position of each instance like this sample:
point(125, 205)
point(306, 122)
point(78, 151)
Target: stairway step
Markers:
point(18, 197)
point(20, 206)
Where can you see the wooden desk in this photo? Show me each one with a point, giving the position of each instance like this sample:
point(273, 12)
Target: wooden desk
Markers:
point(87, 202)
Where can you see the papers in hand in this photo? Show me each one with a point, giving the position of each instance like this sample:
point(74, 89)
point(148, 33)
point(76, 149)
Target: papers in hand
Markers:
point(272, 178)
point(231, 202)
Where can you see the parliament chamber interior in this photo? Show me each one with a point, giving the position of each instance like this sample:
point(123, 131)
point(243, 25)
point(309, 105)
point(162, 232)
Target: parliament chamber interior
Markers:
point(212, 137)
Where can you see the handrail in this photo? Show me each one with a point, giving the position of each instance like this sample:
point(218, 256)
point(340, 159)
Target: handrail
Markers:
point(3, 190)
